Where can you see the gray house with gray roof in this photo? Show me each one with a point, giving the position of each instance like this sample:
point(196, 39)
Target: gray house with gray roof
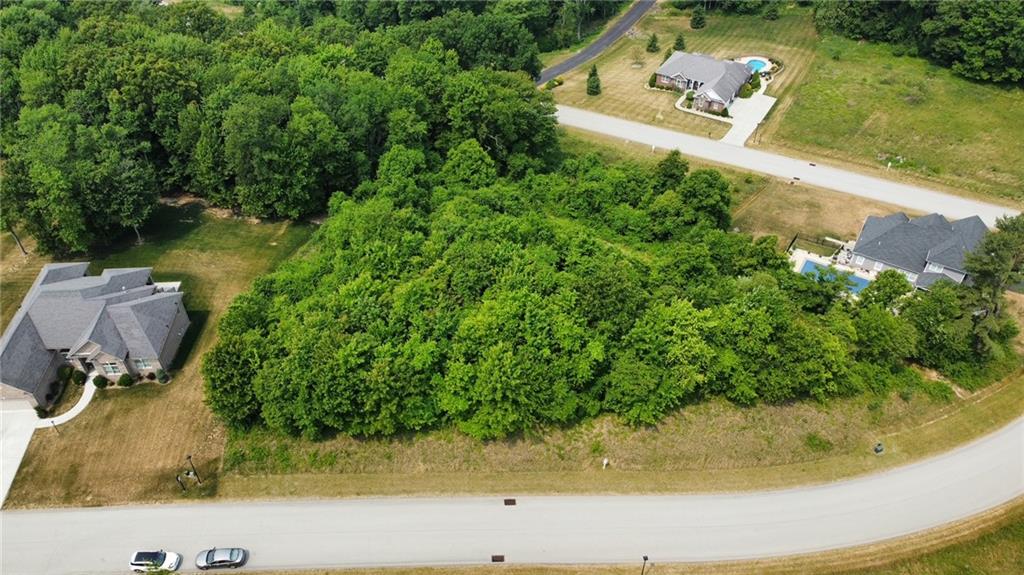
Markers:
point(926, 249)
point(715, 83)
point(118, 322)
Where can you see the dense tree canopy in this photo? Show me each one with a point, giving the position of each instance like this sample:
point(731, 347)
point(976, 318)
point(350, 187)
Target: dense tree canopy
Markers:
point(271, 113)
point(979, 39)
point(504, 302)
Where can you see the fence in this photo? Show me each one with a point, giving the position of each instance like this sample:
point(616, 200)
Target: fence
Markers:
point(814, 245)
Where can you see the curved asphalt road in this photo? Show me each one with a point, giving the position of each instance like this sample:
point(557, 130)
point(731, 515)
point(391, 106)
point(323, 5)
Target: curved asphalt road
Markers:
point(584, 529)
point(905, 195)
point(635, 12)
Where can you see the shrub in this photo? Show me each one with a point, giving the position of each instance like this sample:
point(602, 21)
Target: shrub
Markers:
point(41, 412)
point(698, 19)
point(79, 377)
point(550, 85)
point(101, 382)
point(689, 96)
point(151, 376)
point(755, 82)
point(125, 380)
point(64, 372)
point(652, 44)
point(162, 376)
point(652, 81)
point(680, 43)
point(724, 113)
point(746, 91)
point(593, 82)
point(772, 12)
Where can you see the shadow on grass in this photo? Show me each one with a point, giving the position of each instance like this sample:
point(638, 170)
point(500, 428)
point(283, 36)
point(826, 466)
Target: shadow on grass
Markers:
point(167, 225)
point(188, 343)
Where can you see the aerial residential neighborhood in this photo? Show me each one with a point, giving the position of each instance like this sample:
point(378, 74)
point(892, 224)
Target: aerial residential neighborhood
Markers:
point(532, 286)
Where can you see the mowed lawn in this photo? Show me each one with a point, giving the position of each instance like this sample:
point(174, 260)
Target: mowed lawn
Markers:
point(790, 39)
point(862, 104)
point(129, 443)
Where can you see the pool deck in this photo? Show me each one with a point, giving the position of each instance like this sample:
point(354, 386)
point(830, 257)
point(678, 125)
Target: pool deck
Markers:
point(800, 257)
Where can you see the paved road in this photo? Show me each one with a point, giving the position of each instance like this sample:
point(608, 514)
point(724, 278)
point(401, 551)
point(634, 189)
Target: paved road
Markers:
point(905, 195)
point(620, 27)
point(585, 529)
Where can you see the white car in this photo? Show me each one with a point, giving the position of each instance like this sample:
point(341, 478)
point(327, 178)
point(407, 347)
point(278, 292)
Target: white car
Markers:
point(150, 561)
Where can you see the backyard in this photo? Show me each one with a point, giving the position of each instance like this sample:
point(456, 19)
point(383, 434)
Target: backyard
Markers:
point(129, 443)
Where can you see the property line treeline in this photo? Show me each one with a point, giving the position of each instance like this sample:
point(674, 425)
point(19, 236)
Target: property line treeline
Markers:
point(108, 105)
point(443, 294)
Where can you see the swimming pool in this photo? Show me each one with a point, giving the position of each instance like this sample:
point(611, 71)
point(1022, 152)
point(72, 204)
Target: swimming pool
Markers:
point(815, 269)
point(756, 65)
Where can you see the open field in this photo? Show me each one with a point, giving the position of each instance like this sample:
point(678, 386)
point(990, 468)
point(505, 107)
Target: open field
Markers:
point(992, 543)
point(853, 103)
point(863, 105)
point(129, 443)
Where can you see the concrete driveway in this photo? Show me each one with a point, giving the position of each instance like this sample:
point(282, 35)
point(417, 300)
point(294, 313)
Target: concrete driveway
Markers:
point(575, 529)
point(821, 175)
point(747, 114)
point(17, 422)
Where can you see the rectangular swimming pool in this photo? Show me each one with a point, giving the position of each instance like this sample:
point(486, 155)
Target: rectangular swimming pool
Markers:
point(816, 269)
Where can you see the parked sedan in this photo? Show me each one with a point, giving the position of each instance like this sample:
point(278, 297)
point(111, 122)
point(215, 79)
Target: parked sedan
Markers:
point(220, 558)
point(147, 561)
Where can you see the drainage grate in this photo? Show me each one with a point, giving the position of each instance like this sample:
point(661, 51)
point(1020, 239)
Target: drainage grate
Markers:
point(497, 558)
point(510, 502)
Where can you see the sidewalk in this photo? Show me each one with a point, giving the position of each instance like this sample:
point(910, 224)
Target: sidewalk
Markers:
point(83, 402)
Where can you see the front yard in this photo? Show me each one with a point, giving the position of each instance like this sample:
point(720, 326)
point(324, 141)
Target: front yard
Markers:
point(129, 443)
point(790, 39)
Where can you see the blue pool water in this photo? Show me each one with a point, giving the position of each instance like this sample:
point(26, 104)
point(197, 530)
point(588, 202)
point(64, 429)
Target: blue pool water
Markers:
point(756, 65)
point(813, 268)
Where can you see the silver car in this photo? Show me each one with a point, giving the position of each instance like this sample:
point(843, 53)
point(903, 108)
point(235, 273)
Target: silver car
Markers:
point(222, 558)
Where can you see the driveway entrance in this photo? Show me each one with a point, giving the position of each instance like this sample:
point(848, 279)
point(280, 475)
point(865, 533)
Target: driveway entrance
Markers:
point(17, 422)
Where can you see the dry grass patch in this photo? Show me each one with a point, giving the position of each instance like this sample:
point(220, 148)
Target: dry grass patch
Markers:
point(129, 443)
point(785, 210)
point(713, 446)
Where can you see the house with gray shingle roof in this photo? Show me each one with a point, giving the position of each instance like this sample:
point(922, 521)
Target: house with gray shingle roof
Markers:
point(926, 249)
point(118, 322)
point(715, 83)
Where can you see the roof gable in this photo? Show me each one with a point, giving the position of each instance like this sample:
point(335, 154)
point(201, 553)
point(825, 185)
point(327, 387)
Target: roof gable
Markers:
point(910, 244)
point(722, 77)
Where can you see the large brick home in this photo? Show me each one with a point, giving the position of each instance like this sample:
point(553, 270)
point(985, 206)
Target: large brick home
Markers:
point(926, 249)
point(715, 83)
point(118, 322)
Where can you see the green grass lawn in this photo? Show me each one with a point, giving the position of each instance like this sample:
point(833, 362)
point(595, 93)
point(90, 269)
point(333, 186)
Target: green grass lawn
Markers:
point(861, 104)
point(854, 103)
point(790, 39)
